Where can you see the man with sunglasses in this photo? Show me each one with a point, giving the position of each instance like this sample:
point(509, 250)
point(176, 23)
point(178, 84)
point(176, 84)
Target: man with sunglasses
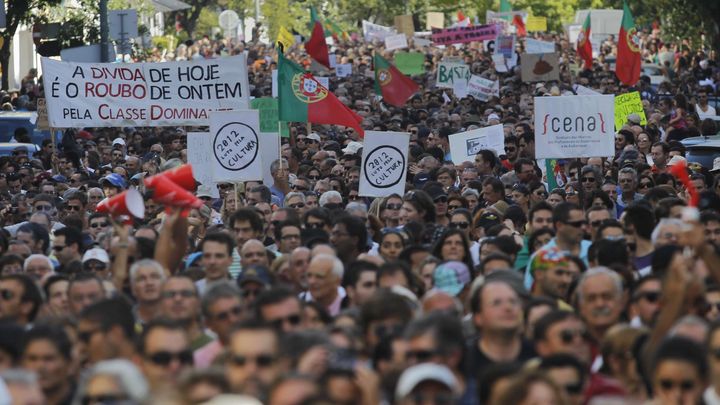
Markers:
point(281, 308)
point(645, 301)
point(221, 309)
point(68, 248)
point(106, 330)
point(165, 354)
point(253, 363)
point(180, 302)
point(570, 228)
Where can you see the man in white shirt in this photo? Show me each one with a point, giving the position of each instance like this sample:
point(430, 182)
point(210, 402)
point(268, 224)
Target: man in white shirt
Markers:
point(704, 110)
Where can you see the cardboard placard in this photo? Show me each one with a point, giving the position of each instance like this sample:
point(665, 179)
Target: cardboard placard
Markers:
point(450, 72)
point(393, 42)
point(466, 145)
point(404, 25)
point(574, 126)
point(384, 163)
point(434, 19)
point(236, 145)
point(539, 67)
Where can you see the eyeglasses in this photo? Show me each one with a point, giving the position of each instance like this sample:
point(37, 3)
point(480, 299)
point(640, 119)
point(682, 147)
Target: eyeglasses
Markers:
point(58, 248)
point(299, 188)
point(316, 177)
point(297, 205)
point(43, 207)
point(645, 185)
point(164, 358)
point(393, 206)
point(588, 179)
point(314, 225)
point(441, 199)
point(99, 224)
point(103, 399)
point(422, 356)
point(261, 360)
point(251, 292)
point(179, 293)
point(650, 296)
point(568, 335)
point(454, 206)
point(574, 388)
point(74, 208)
point(576, 224)
point(461, 225)
point(684, 385)
point(293, 320)
point(95, 266)
point(597, 223)
point(224, 316)
point(7, 295)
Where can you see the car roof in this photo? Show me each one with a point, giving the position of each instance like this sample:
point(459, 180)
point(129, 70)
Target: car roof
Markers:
point(714, 143)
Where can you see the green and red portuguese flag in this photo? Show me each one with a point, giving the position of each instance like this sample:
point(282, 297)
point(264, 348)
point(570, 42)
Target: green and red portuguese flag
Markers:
point(584, 46)
point(394, 87)
point(303, 99)
point(627, 66)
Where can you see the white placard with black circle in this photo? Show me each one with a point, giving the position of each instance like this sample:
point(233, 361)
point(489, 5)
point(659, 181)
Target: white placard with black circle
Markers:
point(384, 163)
point(236, 145)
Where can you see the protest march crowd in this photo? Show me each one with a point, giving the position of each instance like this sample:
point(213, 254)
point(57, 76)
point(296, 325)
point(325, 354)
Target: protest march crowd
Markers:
point(501, 279)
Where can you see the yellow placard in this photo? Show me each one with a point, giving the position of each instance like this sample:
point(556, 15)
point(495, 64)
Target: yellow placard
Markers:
point(626, 104)
point(285, 38)
point(535, 23)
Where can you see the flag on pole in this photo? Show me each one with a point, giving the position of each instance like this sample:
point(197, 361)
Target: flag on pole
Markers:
point(317, 47)
point(584, 46)
point(394, 87)
point(627, 66)
point(285, 38)
point(519, 25)
point(301, 98)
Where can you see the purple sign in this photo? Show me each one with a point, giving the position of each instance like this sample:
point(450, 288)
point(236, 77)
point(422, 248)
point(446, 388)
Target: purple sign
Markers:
point(461, 35)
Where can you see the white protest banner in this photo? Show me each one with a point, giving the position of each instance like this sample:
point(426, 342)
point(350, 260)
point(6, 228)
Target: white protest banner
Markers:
point(421, 42)
point(450, 72)
point(235, 145)
point(465, 145)
point(42, 115)
point(343, 69)
point(384, 163)
point(574, 126)
point(377, 32)
point(536, 46)
point(581, 90)
point(539, 67)
point(200, 156)
point(482, 89)
point(143, 94)
point(393, 42)
point(460, 88)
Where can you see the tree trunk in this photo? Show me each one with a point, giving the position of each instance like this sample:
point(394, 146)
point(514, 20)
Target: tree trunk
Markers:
point(5, 63)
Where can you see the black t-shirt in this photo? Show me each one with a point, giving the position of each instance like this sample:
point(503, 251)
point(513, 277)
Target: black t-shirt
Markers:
point(478, 361)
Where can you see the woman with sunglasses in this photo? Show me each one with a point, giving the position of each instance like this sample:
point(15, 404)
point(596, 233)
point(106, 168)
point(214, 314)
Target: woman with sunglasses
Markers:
point(645, 184)
point(461, 219)
point(390, 210)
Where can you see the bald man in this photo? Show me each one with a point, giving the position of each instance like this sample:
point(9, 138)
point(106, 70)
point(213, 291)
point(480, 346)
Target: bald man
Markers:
point(253, 253)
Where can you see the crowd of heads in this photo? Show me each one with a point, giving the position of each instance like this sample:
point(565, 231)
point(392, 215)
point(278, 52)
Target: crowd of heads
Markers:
point(479, 284)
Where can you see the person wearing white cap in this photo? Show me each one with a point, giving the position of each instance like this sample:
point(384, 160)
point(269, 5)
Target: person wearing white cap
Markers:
point(426, 383)
point(352, 148)
point(97, 261)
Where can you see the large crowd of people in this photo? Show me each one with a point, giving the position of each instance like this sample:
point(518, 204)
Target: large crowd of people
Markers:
point(478, 285)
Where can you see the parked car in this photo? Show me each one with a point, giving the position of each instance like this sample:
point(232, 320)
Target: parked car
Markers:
point(697, 140)
point(7, 148)
point(654, 72)
point(703, 153)
point(11, 120)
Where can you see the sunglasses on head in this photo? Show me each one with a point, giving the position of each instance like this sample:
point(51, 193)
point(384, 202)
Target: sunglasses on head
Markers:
point(164, 358)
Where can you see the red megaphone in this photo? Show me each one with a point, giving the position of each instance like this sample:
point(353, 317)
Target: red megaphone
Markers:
point(129, 202)
point(181, 175)
point(170, 194)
